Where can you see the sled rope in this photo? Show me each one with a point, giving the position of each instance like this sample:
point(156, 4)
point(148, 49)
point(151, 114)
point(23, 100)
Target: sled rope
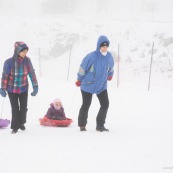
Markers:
point(2, 107)
point(73, 100)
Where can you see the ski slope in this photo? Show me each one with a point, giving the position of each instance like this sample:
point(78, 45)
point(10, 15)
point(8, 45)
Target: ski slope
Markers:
point(140, 121)
point(140, 137)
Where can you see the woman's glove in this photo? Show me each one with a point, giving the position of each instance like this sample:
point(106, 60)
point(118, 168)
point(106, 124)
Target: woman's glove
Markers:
point(2, 92)
point(35, 91)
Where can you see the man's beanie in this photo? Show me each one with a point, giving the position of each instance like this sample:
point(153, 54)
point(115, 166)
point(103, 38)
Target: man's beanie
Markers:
point(104, 44)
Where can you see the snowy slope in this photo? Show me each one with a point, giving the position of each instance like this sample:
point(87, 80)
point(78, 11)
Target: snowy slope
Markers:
point(51, 39)
point(140, 121)
point(139, 140)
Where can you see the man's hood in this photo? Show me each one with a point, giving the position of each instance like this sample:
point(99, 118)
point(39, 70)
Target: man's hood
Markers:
point(101, 39)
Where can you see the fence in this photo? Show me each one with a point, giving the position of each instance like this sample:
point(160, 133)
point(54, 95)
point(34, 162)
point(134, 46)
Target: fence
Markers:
point(131, 69)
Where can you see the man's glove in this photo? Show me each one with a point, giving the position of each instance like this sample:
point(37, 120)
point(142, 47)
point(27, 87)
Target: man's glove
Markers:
point(109, 78)
point(78, 83)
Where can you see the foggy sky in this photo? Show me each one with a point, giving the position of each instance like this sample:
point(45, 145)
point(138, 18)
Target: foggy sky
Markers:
point(136, 10)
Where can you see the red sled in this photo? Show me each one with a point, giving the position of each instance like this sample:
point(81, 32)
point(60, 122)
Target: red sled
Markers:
point(55, 123)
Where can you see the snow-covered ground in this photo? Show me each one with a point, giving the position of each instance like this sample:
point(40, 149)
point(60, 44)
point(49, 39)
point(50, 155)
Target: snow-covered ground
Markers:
point(140, 137)
point(140, 121)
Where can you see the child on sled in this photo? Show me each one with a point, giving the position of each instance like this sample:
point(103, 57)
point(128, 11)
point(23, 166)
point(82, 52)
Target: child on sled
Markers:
point(56, 111)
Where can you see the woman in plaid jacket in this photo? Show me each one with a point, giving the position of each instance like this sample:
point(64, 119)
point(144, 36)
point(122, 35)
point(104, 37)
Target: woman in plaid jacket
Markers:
point(15, 82)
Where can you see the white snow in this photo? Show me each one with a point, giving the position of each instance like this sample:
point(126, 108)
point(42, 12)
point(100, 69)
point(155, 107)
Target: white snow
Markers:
point(140, 137)
point(140, 121)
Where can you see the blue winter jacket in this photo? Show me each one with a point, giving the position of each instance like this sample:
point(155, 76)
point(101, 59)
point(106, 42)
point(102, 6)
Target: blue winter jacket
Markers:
point(95, 69)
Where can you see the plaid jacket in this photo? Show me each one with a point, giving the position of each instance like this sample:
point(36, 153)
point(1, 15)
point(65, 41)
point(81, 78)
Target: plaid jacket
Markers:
point(15, 72)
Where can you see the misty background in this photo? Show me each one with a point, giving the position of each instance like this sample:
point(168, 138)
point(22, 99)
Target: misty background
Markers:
point(59, 34)
point(64, 31)
point(128, 10)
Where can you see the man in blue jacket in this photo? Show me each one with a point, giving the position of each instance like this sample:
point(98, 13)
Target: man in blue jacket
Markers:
point(94, 72)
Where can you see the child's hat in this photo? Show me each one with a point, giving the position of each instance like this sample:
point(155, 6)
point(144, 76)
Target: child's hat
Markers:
point(54, 104)
point(57, 100)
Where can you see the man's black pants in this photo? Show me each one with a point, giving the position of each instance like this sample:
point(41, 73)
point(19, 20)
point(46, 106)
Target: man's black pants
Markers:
point(101, 116)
